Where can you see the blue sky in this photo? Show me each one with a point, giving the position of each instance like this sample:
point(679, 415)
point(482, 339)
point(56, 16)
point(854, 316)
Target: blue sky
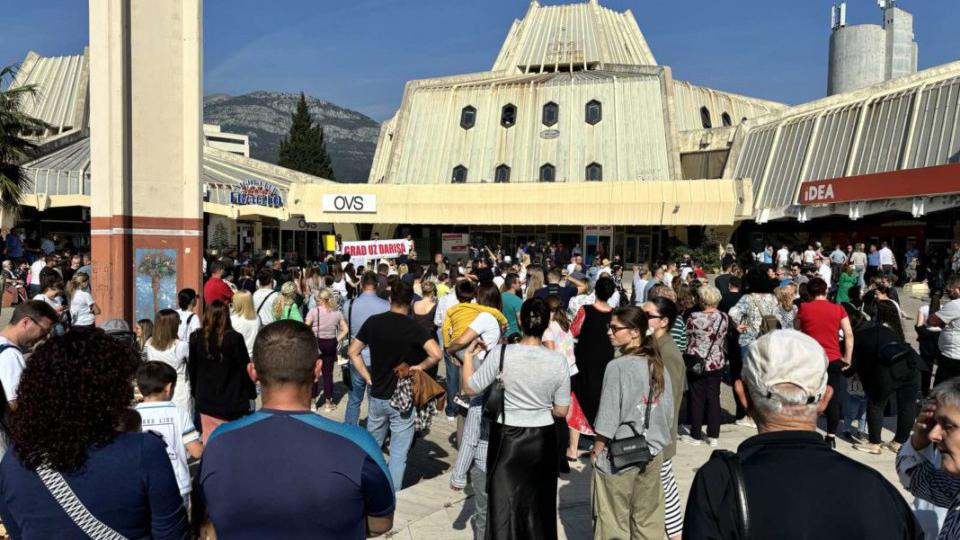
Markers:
point(359, 53)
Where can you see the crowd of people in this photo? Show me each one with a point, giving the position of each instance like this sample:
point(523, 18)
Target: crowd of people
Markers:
point(548, 360)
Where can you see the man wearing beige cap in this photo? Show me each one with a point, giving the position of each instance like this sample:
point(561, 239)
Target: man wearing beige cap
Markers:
point(786, 482)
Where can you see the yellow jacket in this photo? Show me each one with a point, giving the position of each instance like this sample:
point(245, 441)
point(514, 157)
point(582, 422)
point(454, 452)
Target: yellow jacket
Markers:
point(458, 319)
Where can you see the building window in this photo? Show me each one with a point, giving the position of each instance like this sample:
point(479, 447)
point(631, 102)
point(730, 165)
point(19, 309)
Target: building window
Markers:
point(508, 115)
point(705, 118)
point(459, 174)
point(725, 118)
point(594, 172)
point(468, 117)
point(548, 173)
point(594, 112)
point(744, 119)
point(502, 174)
point(551, 114)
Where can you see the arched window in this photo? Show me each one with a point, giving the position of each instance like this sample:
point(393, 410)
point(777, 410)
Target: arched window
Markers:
point(508, 115)
point(459, 175)
point(725, 118)
point(594, 112)
point(594, 172)
point(705, 118)
point(468, 117)
point(551, 114)
point(502, 174)
point(548, 173)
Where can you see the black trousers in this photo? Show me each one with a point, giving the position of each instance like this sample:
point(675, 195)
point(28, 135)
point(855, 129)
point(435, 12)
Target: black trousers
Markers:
point(736, 369)
point(906, 412)
point(704, 403)
point(838, 382)
point(947, 368)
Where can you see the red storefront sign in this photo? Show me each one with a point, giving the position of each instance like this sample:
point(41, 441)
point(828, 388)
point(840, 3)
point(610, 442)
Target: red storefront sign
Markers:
point(928, 181)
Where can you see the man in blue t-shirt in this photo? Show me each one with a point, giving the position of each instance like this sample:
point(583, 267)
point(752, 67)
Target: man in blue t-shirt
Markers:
point(356, 312)
point(284, 472)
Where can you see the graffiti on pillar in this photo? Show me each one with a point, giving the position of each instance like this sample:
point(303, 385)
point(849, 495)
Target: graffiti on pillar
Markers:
point(156, 282)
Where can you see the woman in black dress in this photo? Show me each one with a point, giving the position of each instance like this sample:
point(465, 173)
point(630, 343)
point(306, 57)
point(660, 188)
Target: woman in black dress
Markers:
point(593, 352)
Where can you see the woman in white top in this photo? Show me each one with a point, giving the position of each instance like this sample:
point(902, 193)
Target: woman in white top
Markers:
point(164, 346)
point(83, 310)
point(244, 319)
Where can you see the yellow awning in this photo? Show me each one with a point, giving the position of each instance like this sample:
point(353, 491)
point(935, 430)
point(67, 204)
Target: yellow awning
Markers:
point(680, 202)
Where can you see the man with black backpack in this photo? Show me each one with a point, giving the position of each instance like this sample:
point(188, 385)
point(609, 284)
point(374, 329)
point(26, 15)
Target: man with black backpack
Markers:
point(31, 322)
point(786, 482)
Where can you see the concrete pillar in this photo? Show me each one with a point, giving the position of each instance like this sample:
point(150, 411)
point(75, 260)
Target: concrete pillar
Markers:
point(145, 147)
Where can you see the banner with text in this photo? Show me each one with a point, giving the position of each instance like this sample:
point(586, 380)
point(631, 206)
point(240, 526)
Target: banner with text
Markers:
point(375, 249)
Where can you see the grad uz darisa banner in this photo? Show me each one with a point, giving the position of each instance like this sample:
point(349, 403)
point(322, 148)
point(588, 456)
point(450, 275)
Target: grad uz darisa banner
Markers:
point(361, 252)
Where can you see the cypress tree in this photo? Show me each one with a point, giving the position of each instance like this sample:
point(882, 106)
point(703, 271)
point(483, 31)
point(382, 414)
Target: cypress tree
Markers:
point(304, 148)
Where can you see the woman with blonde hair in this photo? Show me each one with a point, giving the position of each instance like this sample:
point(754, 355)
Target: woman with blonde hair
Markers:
point(535, 281)
point(244, 318)
point(83, 310)
point(329, 327)
point(143, 331)
point(706, 334)
point(285, 307)
point(164, 346)
point(786, 309)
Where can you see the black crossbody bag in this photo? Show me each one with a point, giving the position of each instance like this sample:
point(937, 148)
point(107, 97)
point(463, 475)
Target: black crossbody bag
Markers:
point(633, 451)
point(494, 407)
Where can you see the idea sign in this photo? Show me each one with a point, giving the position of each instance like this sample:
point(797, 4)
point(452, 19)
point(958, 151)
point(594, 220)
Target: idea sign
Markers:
point(349, 203)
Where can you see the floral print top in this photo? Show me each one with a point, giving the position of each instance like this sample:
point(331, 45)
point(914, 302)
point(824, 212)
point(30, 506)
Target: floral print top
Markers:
point(750, 310)
point(706, 333)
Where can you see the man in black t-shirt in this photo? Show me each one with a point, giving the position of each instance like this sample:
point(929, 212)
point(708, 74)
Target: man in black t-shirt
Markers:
point(793, 483)
point(393, 338)
point(553, 287)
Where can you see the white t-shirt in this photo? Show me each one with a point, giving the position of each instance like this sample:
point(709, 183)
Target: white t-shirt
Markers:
point(175, 426)
point(825, 273)
point(248, 328)
point(35, 269)
point(52, 302)
point(189, 321)
point(783, 256)
point(498, 281)
point(886, 256)
point(925, 313)
point(808, 256)
point(11, 368)
point(487, 327)
point(446, 302)
point(266, 297)
point(81, 309)
point(176, 357)
point(950, 336)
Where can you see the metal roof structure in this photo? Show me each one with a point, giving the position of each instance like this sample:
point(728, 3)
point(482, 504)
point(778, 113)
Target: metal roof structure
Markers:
point(572, 36)
point(61, 90)
point(908, 123)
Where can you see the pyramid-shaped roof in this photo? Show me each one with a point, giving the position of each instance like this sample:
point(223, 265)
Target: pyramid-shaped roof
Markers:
point(571, 37)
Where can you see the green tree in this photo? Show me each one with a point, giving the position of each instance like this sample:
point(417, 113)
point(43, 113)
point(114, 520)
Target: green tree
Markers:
point(14, 148)
point(304, 149)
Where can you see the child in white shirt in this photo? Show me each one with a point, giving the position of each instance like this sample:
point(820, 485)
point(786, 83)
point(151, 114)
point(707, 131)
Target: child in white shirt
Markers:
point(158, 414)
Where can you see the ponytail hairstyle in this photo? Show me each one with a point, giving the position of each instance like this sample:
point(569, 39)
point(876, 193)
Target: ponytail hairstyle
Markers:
point(634, 318)
point(79, 282)
point(287, 297)
point(534, 317)
point(557, 312)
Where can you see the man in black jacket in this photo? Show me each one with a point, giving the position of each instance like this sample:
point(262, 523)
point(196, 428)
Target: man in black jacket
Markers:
point(794, 485)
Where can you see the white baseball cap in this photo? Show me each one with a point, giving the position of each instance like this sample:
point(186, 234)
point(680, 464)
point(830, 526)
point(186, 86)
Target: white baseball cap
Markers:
point(786, 357)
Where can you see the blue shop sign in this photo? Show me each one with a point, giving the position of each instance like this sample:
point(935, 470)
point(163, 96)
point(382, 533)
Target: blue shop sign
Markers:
point(257, 192)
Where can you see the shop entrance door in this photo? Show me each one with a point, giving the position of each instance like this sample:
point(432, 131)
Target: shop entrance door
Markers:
point(596, 244)
point(245, 237)
point(636, 249)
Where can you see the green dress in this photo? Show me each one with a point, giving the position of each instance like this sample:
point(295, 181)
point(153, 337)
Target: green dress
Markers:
point(846, 281)
point(291, 311)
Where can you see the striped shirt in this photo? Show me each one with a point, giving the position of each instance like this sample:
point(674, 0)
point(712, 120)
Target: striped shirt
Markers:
point(931, 484)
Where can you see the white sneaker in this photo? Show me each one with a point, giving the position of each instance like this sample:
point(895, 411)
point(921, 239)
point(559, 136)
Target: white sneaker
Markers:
point(713, 442)
point(746, 422)
point(451, 419)
point(690, 440)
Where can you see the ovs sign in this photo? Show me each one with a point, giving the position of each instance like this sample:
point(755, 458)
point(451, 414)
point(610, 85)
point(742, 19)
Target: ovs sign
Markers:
point(350, 203)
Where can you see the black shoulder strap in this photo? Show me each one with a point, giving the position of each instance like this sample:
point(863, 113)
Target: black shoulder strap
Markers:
point(732, 461)
point(503, 404)
point(190, 318)
point(262, 302)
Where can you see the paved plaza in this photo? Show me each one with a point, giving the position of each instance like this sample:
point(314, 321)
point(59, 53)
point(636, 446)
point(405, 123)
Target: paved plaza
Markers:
point(428, 509)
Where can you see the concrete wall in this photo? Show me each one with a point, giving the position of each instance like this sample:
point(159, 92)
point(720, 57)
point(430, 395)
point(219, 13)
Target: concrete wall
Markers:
point(857, 58)
point(631, 142)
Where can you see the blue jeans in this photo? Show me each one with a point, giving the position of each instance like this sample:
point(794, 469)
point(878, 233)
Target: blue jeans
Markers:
point(452, 381)
point(855, 409)
point(358, 387)
point(382, 418)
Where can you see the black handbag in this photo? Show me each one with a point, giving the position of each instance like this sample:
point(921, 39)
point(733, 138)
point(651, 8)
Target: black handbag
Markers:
point(696, 364)
point(494, 407)
point(633, 451)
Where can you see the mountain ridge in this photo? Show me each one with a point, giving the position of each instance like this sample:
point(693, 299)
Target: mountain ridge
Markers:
point(264, 116)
